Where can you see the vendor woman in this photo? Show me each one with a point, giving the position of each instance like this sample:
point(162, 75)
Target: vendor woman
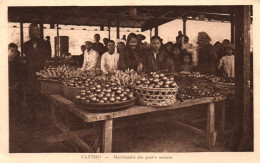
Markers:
point(157, 59)
point(131, 57)
point(207, 57)
point(91, 57)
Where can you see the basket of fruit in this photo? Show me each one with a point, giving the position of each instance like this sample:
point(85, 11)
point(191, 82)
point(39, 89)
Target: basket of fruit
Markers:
point(104, 97)
point(72, 87)
point(51, 78)
point(156, 90)
point(103, 93)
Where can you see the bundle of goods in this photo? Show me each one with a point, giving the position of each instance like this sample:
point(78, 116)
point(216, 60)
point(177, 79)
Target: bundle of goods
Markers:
point(197, 92)
point(225, 81)
point(72, 87)
point(51, 77)
point(156, 89)
point(59, 72)
point(187, 78)
point(107, 93)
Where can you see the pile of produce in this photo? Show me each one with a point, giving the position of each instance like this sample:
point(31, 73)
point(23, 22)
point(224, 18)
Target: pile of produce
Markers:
point(59, 72)
point(106, 89)
point(197, 91)
point(156, 80)
point(125, 78)
point(85, 77)
point(96, 92)
point(222, 80)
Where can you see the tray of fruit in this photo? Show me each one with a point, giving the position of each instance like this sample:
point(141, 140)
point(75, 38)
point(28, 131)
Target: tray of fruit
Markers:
point(105, 97)
point(156, 89)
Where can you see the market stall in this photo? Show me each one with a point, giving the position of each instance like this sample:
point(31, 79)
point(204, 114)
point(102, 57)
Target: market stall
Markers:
point(79, 92)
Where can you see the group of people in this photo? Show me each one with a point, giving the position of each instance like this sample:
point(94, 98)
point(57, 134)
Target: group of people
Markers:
point(127, 53)
point(173, 57)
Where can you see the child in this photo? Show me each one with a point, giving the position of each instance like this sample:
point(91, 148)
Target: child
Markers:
point(187, 62)
point(177, 55)
point(228, 61)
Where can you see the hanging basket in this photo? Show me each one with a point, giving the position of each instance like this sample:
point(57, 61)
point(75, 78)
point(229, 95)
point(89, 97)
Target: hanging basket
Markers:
point(156, 96)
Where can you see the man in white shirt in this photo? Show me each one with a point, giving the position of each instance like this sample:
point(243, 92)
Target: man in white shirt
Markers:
point(109, 60)
point(91, 57)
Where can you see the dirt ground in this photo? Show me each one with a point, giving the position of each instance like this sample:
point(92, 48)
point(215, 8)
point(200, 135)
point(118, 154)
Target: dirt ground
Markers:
point(153, 137)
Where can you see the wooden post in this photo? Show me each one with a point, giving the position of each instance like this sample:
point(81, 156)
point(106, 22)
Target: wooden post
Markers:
point(109, 32)
point(151, 33)
point(241, 135)
point(232, 16)
point(184, 26)
point(41, 31)
point(211, 134)
point(156, 31)
point(107, 136)
point(117, 31)
point(21, 38)
point(58, 41)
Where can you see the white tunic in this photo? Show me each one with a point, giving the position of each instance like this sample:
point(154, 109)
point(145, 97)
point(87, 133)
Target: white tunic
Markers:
point(109, 62)
point(90, 60)
point(228, 63)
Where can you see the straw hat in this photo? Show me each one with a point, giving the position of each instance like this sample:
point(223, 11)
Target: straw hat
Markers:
point(89, 40)
point(143, 37)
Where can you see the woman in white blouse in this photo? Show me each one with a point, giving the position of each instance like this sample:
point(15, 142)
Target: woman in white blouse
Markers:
point(109, 60)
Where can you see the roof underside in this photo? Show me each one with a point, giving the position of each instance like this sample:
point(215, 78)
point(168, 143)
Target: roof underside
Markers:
point(144, 17)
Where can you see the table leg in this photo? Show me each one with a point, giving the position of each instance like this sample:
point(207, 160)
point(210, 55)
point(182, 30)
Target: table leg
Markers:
point(211, 134)
point(223, 116)
point(107, 136)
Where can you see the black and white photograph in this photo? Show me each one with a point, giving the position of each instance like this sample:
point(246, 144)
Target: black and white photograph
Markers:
point(130, 79)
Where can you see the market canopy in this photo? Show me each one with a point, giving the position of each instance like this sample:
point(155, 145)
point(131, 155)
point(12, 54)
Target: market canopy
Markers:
point(144, 17)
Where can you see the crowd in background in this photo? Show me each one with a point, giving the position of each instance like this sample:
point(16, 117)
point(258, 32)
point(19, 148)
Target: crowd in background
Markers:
point(109, 56)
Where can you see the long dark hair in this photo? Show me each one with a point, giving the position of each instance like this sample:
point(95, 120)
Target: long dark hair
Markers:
point(129, 37)
point(158, 38)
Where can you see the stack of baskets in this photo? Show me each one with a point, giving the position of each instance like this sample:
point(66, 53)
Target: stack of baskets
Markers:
point(156, 96)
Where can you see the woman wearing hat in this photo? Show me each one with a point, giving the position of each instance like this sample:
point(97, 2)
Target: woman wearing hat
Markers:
point(228, 61)
point(206, 53)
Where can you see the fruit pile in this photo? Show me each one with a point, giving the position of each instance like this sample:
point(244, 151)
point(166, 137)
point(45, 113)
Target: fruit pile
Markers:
point(95, 92)
point(222, 80)
point(59, 72)
point(156, 80)
point(197, 91)
point(84, 78)
point(125, 78)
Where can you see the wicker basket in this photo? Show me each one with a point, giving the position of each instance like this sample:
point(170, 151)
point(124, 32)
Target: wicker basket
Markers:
point(70, 92)
point(156, 96)
point(51, 86)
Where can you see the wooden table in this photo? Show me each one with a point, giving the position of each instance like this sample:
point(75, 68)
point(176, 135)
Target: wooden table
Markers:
point(106, 119)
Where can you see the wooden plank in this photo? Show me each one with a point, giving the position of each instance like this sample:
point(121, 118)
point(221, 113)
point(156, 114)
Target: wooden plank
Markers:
point(242, 76)
point(211, 134)
point(21, 38)
point(64, 137)
point(74, 138)
point(134, 110)
point(107, 136)
point(184, 26)
point(194, 129)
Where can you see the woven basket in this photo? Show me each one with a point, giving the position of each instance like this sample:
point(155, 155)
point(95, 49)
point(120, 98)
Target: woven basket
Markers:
point(156, 96)
point(51, 86)
point(70, 92)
